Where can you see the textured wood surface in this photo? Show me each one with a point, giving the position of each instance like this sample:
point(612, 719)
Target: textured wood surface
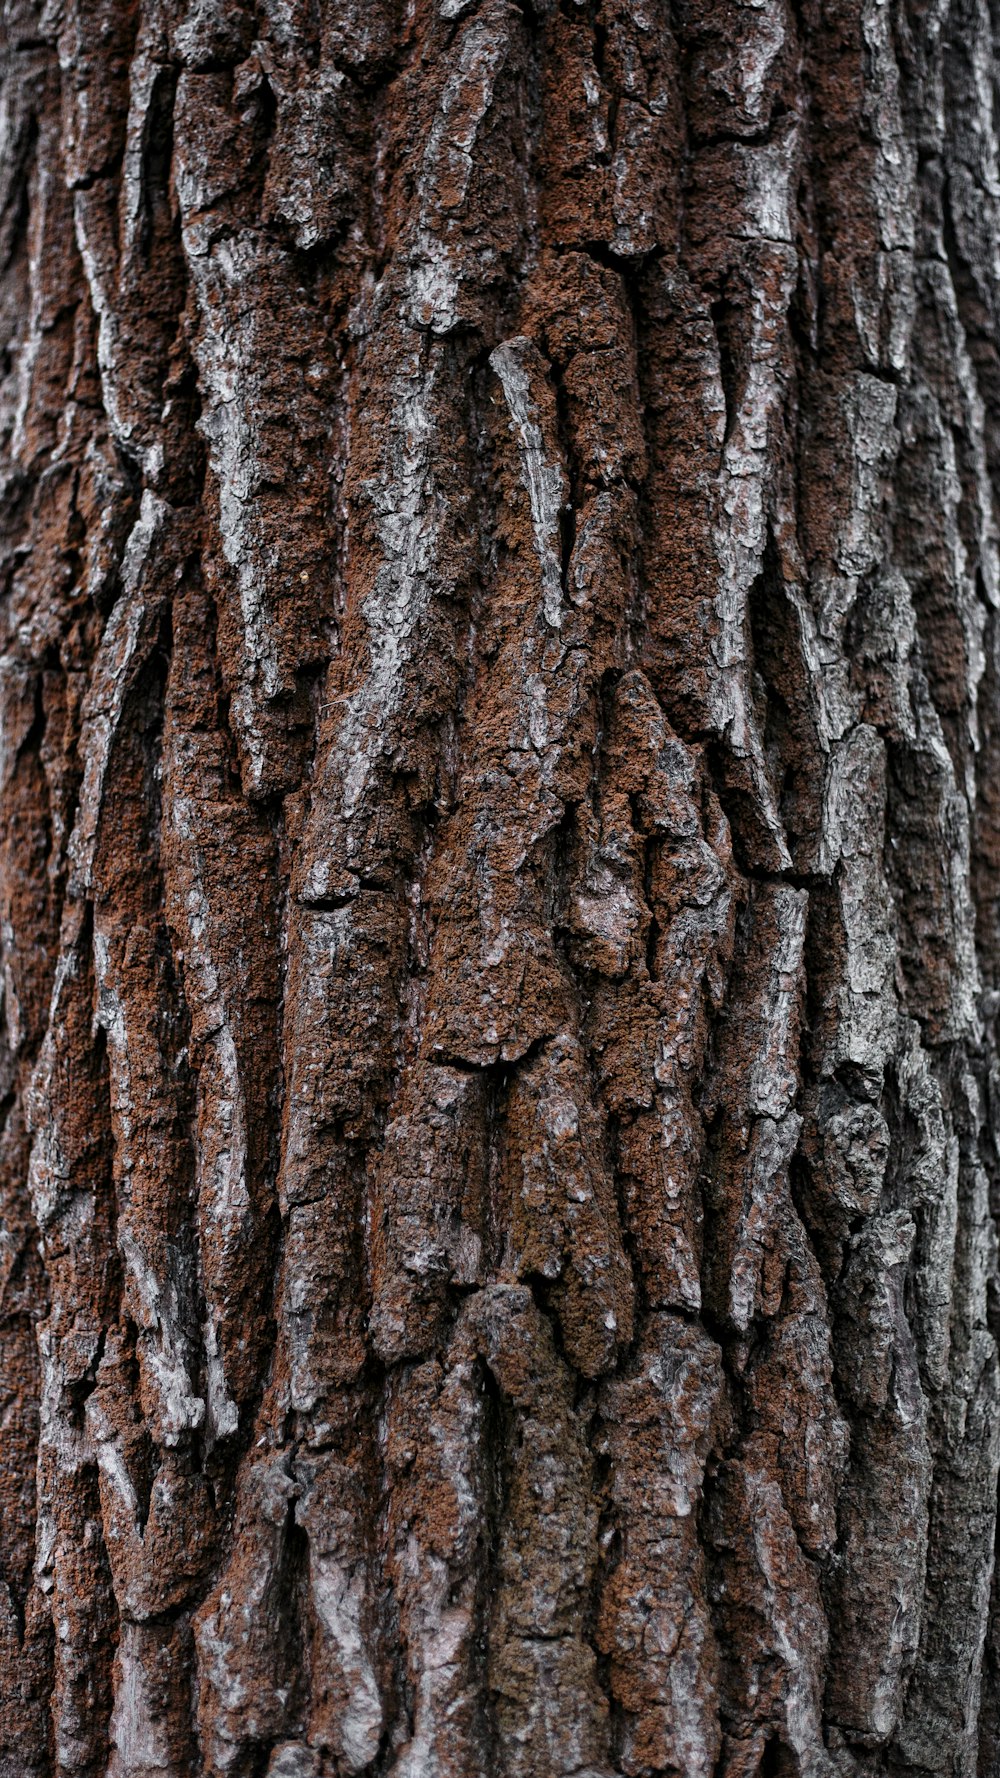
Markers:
point(499, 888)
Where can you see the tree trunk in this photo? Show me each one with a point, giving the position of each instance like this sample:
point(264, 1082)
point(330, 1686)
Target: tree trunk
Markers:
point(499, 888)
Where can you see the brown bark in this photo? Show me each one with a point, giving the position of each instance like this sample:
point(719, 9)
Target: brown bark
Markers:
point(499, 888)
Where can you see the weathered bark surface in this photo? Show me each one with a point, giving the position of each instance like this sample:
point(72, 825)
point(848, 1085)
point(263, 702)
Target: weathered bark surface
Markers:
point(499, 888)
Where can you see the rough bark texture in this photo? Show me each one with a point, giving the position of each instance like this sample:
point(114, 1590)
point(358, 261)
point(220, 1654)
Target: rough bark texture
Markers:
point(499, 888)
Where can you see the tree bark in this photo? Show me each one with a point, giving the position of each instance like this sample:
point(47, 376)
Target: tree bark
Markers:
point(499, 888)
